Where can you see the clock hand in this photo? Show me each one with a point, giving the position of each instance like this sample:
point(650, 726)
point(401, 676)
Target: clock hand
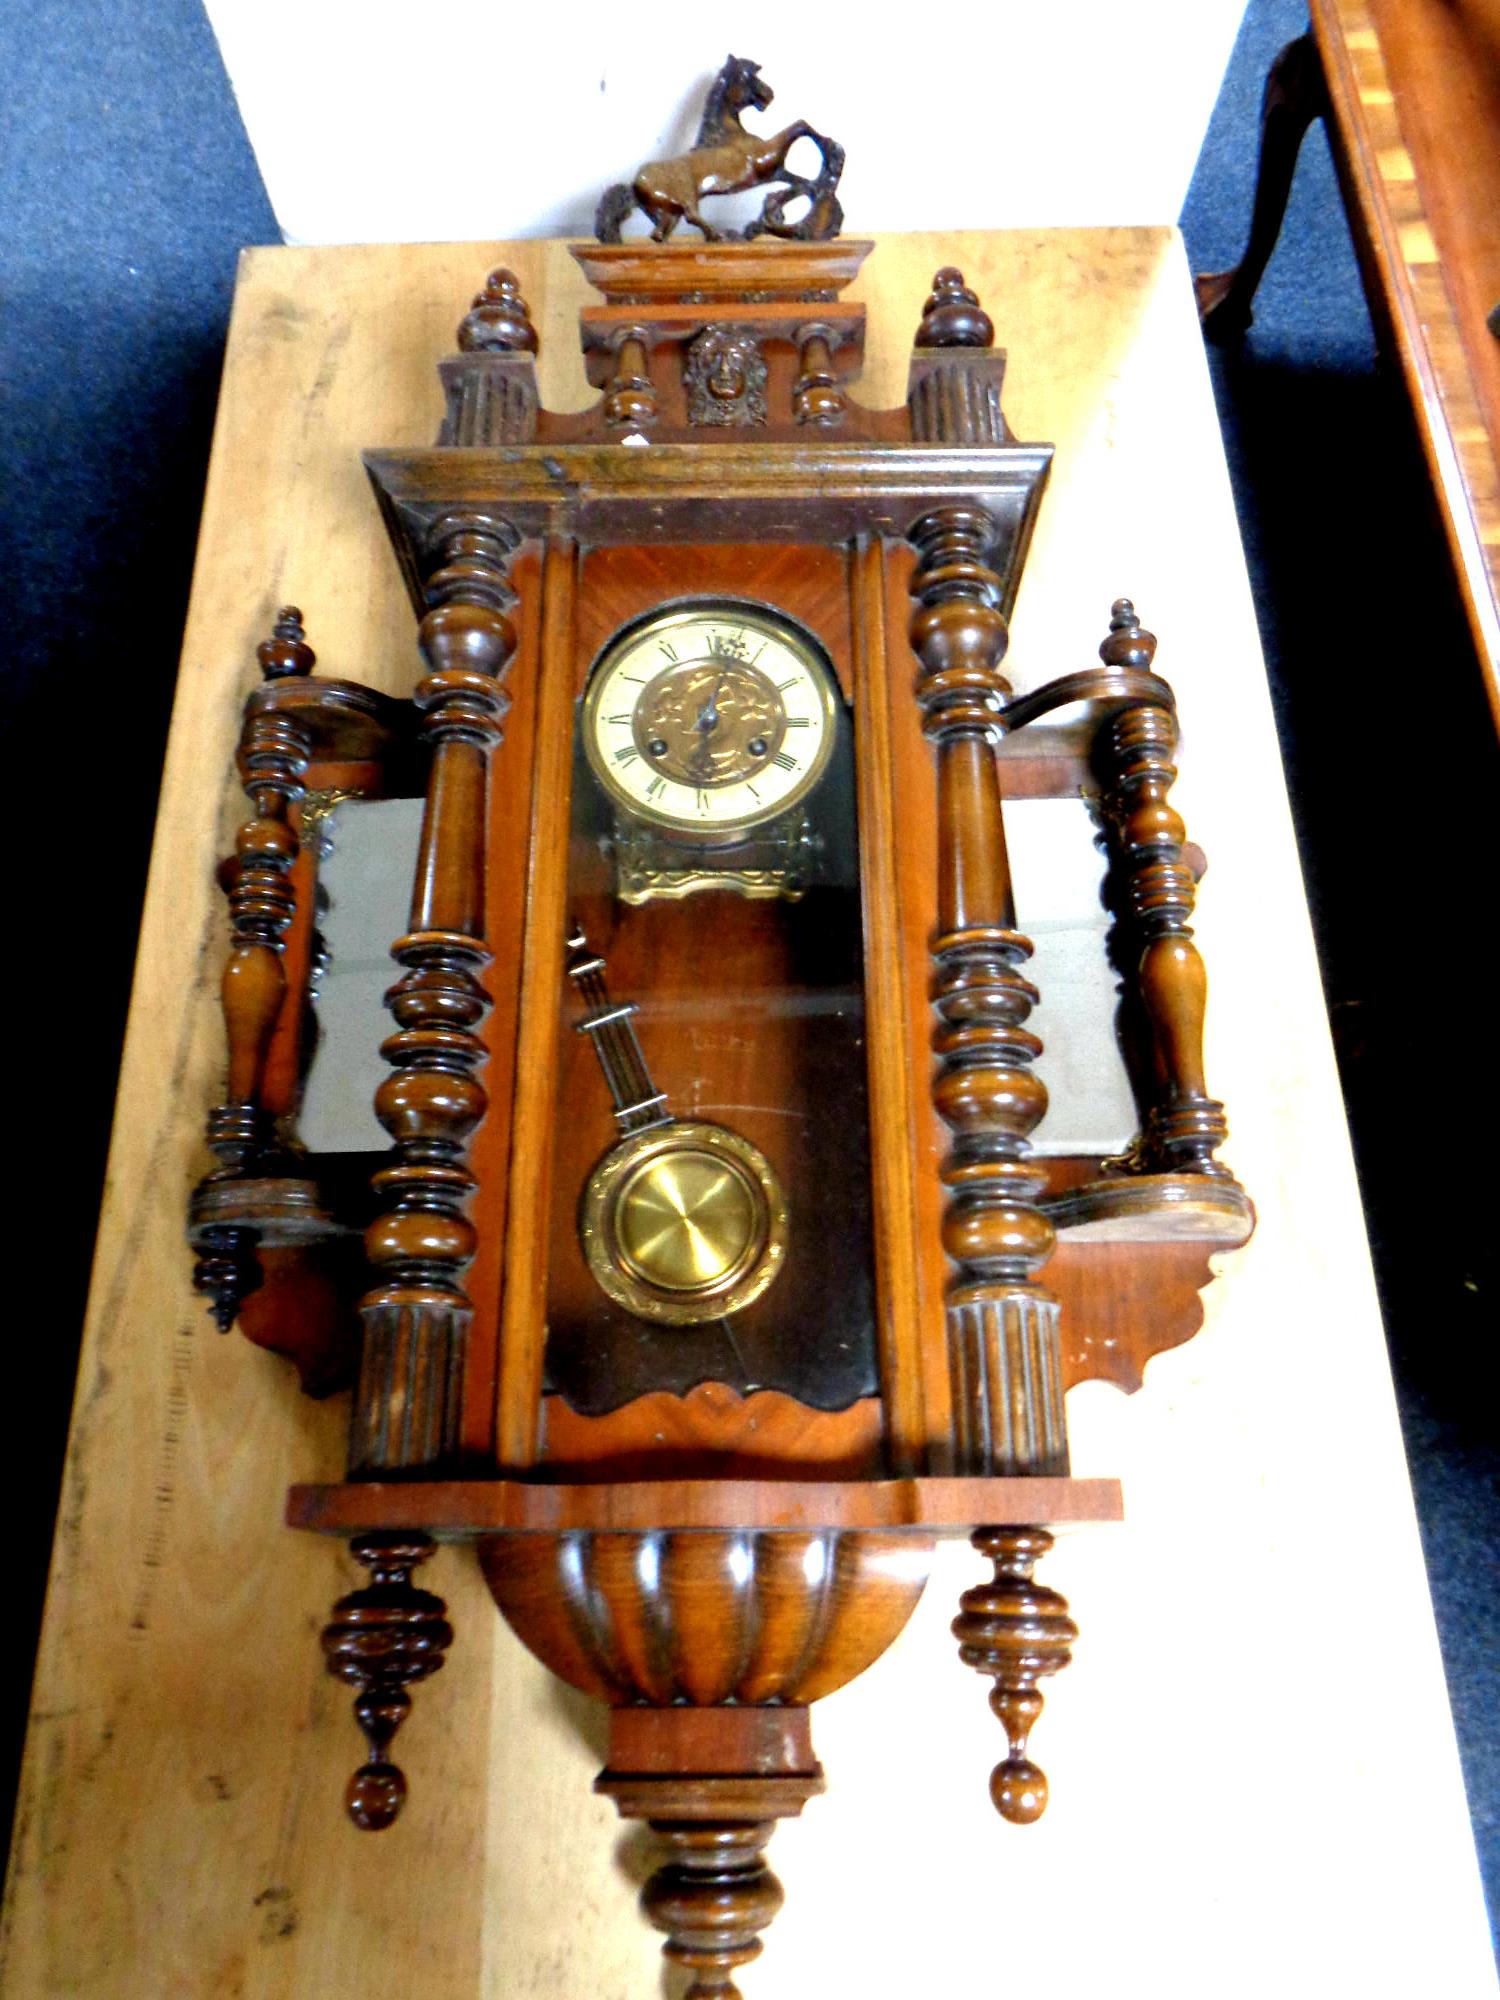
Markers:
point(708, 715)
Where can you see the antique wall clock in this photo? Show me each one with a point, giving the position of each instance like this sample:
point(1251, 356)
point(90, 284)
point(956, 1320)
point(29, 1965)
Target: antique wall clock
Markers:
point(646, 1279)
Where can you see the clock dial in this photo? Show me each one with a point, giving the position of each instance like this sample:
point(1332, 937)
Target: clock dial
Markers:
point(714, 717)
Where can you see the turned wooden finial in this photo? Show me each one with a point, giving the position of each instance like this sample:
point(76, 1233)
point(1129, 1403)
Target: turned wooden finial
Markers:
point(381, 1638)
point(1017, 1631)
point(1127, 643)
point(713, 1897)
point(499, 320)
point(953, 316)
point(286, 654)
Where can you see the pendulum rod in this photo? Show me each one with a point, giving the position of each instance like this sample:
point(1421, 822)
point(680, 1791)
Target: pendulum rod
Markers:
point(611, 1028)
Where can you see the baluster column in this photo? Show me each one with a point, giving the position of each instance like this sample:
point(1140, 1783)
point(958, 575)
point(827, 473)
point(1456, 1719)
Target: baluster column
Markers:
point(417, 1317)
point(1152, 893)
point(273, 758)
point(1004, 1350)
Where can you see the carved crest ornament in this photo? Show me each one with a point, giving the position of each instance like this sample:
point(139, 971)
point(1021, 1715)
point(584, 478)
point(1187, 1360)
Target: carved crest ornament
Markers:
point(703, 1391)
point(726, 159)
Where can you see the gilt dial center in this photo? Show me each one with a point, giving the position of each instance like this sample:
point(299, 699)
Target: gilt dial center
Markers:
point(697, 721)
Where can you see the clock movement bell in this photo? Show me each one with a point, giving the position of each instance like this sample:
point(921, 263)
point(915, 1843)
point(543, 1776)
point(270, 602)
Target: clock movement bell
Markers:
point(705, 950)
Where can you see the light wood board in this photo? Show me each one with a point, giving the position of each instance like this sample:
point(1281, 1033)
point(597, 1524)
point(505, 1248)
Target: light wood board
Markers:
point(1255, 1787)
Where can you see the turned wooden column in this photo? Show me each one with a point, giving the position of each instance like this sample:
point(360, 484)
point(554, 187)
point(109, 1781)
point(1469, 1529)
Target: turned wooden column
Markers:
point(817, 399)
point(417, 1317)
point(273, 757)
point(1004, 1355)
point(630, 400)
point(1004, 1352)
point(1151, 892)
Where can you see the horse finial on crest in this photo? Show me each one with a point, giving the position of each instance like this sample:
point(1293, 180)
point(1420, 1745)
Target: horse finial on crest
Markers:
point(724, 160)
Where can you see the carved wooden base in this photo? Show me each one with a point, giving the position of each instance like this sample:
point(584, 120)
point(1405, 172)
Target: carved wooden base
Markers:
point(1017, 1631)
point(713, 1893)
point(382, 1638)
point(706, 1618)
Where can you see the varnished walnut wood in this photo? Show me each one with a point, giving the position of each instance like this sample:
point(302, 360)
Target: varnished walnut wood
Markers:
point(217, 1674)
point(714, 1894)
point(706, 1616)
point(805, 488)
point(953, 316)
point(409, 1404)
point(630, 403)
point(489, 386)
point(1018, 1632)
point(499, 320)
point(468, 1509)
point(772, 1739)
point(816, 396)
point(662, 274)
point(381, 1639)
point(1410, 93)
point(274, 752)
point(956, 378)
point(227, 1224)
point(1151, 894)
point(714, 1432)
point(905, 1366)
point(1002, 1322)
point(522, 1318)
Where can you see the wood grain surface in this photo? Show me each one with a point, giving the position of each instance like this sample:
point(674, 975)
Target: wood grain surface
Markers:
point(1254, 1783)
point(1414, 87)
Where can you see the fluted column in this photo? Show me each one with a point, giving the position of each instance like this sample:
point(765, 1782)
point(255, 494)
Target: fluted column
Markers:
point(417, 1317)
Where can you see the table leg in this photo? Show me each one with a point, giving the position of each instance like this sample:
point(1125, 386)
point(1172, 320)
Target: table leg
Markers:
point(1296, 93)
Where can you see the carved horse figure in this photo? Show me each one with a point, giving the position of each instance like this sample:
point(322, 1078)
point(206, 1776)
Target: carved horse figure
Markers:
point(725, 159)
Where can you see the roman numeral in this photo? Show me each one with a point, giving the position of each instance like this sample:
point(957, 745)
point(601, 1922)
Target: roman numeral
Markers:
point(667, 649)
point(626, 756)
point(752, 791)
point(782, 686)
point(656, 787)
point(703, 804)
point(785, 763)
point(623, 716)
point(792, 721)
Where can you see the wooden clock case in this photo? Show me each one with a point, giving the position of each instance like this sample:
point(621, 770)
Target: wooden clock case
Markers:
point(709, 1559)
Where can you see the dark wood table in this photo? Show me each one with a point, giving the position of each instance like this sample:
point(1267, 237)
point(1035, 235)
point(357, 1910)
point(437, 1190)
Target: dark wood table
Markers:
point(1410, 93)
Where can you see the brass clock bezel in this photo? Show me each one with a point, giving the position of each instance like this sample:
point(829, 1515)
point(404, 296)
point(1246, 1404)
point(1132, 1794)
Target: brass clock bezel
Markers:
point(611, 1261)
point(811, 654)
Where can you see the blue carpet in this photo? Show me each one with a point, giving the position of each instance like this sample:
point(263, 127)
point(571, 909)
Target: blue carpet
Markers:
point(129, 187)
point(1359, 614)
